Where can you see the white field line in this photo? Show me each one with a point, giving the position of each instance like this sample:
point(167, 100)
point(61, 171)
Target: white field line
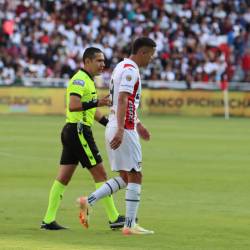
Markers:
point(15, 156)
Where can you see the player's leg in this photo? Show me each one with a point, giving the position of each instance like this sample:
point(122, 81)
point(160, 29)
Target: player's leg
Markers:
point(104, 191)
point(106, 187)
point(132, 197)
point(55, 196)
point(130, 157)
point(133, 193)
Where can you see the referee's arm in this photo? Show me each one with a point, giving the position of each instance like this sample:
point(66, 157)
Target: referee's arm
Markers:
point(99, 117)
point(75, 103)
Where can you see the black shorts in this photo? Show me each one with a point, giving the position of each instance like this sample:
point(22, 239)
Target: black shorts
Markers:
point(79, 146)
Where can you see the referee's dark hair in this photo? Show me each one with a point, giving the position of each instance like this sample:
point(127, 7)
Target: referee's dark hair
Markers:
point(90, 53)
point(142, 42)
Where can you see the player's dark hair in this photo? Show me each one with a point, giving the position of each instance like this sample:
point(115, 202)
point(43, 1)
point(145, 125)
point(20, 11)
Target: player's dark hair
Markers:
point(142, 42)
point(90, 53)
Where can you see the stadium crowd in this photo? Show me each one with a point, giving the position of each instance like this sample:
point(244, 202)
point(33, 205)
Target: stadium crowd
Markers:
point(205, 40)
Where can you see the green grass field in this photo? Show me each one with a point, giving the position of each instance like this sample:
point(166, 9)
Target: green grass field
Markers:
point(196, 192)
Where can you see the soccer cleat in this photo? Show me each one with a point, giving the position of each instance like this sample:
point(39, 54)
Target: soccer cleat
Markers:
point(51, 226)
point(119, 223)
point(136, 230)
point(84, 211)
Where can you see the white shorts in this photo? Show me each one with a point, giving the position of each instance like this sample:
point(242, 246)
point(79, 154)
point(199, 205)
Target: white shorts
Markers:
point(128, 156)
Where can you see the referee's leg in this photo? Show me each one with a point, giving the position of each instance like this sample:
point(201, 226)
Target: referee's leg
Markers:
point(55, 196)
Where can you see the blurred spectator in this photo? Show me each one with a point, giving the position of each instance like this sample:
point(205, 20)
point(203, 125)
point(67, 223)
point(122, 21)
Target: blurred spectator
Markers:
point(246, 65)
point(196, 40)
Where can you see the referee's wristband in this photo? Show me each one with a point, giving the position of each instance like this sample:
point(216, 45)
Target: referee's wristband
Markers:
point(89, 105)
point(104, 121)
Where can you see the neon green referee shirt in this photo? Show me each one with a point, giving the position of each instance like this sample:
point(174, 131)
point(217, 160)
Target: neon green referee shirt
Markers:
point(81, 84)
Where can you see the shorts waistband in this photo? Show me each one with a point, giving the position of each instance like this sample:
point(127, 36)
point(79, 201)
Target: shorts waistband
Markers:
point(76, 123)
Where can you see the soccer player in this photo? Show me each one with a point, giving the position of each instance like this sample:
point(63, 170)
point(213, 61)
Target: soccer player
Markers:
point(122, 136)
point(77, 139)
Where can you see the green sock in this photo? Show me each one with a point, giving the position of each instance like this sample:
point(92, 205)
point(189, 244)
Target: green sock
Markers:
point(109, 205)
point(55, 197)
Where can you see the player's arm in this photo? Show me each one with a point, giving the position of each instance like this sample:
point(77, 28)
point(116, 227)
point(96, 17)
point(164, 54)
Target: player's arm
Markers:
point(121, 114)
point(141, 130)
point(102, 119)
point(75, 103)
point(128, 80)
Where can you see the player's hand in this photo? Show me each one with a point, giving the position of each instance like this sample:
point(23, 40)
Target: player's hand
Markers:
point(143, 132)
point(117, 140)
point(105, 101)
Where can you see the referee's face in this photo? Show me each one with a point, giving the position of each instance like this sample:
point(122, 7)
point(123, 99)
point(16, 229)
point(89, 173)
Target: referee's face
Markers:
point(97, 64)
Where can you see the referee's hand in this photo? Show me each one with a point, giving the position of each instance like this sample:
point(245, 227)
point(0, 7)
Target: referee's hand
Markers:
point(105, 101)
point(117, 140)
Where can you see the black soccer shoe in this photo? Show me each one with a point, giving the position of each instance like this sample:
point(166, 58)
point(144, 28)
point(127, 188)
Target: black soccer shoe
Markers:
point(119, 223)
point(52, 226)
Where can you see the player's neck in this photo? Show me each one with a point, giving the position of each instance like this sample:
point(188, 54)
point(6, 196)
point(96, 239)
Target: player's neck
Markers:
point(136, 59)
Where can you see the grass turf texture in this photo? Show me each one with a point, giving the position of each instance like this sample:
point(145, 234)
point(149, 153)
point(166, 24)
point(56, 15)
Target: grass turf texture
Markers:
point(195, 193)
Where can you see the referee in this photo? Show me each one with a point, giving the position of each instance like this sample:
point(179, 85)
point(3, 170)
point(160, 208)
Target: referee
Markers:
point(77, 139)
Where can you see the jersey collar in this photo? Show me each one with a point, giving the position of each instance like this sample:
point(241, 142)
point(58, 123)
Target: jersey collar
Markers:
point(129, 61)
point(85, 71)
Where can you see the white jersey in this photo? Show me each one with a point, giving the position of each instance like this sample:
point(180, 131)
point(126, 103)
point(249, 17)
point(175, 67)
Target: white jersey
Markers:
point(125, 78)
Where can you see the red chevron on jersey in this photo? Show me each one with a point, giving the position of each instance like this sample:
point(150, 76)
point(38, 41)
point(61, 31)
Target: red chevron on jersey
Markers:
point(130, 113)
point(128, 65)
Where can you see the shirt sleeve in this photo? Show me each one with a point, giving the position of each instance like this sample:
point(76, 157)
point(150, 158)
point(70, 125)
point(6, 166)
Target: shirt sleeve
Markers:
point(128, 80)
point(77, 87)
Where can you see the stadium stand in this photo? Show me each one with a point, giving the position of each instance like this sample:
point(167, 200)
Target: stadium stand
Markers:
point(201, 41)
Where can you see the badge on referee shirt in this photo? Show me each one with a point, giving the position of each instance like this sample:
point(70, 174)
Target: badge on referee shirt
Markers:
point(79, 82)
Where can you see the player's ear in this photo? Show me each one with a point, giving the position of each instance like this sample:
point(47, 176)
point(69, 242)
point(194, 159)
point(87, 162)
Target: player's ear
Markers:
point(143, 51)
point(140, 51)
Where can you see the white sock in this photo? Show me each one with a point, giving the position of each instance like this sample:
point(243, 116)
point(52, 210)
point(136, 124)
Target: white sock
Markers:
point(108, 188)
point(132, 203)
